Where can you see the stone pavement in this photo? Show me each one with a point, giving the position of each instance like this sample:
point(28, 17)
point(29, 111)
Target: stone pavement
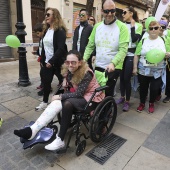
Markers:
point(148, 135)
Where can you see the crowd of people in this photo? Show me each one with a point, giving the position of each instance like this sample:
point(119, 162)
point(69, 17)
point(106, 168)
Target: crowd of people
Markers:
point(119, 49)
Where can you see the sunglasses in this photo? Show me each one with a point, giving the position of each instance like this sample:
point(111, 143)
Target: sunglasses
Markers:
point(153, 28)
point(124, 12)
point(163, 27)
point(91, 19)
point(73, 63)
point(48, 14)
point(106, 11)
point(82, 15)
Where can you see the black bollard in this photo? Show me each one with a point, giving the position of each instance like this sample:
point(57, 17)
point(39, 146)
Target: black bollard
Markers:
point(23, 69)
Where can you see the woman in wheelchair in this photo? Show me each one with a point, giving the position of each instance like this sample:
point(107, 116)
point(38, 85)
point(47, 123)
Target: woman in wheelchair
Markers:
point(79, 84)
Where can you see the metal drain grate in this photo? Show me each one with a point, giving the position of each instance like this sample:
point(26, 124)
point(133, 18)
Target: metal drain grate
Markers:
point(102, 152)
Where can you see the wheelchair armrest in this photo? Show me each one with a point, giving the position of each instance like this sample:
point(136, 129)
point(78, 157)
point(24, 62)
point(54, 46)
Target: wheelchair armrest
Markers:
point(96, 90)
point(101, 88)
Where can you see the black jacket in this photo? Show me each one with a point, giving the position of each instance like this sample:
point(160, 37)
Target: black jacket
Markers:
point(84, 37)
point(60, 49)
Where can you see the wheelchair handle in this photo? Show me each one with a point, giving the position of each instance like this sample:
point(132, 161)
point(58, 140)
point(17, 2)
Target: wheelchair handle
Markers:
point(101, 88)
point(96, 90)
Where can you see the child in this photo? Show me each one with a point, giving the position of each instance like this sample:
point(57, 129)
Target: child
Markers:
point(39, 32)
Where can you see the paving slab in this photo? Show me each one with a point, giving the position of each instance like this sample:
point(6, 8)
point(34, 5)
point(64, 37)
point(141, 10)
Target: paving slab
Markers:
point(11, 91)
point(146, 159)
point(12, 156)
point(11, 71)
point(159, 139)
point(5, 113)
point(160, 108)
point(139, 121)
point(134, 138)
point(22, 104)
point(31, 115)
point(116, 161)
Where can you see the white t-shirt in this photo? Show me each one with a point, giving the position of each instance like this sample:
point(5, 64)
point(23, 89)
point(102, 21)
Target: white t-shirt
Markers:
point(146, 68)
point(48, 45)
point(78, 42)
point(40, 47)
point(107, 44)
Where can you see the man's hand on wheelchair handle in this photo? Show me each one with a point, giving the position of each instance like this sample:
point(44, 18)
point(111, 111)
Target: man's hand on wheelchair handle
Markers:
point(110, 67)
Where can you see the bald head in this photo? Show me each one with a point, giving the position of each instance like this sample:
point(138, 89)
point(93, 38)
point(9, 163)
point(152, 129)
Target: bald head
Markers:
point(108, 2)
point(108, 11)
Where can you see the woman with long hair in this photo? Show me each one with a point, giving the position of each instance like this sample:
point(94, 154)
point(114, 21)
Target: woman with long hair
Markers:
point(53, 53)
point(130, 17)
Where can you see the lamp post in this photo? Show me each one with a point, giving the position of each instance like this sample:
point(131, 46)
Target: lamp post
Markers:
point(23, 69)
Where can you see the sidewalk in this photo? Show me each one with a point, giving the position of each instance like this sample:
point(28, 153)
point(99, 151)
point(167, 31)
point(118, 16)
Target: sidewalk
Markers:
point(148, 135)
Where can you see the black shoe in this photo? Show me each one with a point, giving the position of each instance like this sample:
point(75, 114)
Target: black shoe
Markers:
point(40, 93)
point(166, 100)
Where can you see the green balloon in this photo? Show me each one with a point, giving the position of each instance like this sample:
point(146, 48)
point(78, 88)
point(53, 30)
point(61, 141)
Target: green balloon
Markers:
point(148, 21)
point(12, 41)
point(155, 56)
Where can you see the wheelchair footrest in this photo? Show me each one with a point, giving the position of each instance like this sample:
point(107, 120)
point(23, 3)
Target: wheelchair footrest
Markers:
point(45, 135)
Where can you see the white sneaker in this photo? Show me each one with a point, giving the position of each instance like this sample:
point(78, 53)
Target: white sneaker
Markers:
point(41, 107)
point(55, 145)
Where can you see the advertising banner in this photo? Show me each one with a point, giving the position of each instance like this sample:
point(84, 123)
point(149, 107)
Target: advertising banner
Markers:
point(163, 4)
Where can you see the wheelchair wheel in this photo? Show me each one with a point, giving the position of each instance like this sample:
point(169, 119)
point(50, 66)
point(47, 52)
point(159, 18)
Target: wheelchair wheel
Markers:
point(103, 119)
point(80, 147)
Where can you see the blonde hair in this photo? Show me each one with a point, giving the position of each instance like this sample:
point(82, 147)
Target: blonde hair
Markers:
point(153, 23)
point(58, 21)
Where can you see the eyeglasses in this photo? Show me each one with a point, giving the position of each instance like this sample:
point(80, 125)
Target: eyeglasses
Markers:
point(153, 28)
point(82, 15)
point(106, 11)
point(163, 27)
point(91, 19)
point(48, 14)
point(124, 12)
point(73, 63)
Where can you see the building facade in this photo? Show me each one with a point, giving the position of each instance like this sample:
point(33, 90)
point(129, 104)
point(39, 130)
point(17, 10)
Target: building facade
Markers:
point(33, 12)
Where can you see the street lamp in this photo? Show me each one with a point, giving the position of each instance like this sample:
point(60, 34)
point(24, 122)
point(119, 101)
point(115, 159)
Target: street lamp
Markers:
point(23, 69)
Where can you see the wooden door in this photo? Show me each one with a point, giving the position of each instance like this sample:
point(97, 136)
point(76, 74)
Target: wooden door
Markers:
point(37, 16)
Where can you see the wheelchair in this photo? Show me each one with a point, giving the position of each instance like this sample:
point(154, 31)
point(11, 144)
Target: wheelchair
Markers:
point(97, 118)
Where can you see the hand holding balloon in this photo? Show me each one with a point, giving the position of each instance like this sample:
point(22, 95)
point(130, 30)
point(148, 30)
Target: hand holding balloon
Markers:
point(12, 41)
point(167, 55)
